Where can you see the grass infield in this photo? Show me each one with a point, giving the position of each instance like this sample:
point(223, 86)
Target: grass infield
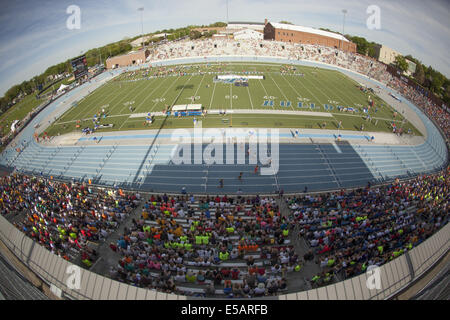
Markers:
point(284, 87)
point(18, 112)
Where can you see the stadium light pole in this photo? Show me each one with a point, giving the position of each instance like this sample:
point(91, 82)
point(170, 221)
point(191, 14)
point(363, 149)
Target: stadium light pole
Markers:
point(100, 51)
point(142, 25)
point(344, 11)
point(227, 12)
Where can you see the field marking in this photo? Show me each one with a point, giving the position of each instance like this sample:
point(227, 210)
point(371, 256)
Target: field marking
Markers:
point(285, 97)
point(350, 88)
point(265, 90)
point(184, 84)
point(332, 92)
point(250, 97)
point(382, 113)
point(140, 93)
point(165, 92)
point(114, 116)
point(108, 84)
point(126, 96)
point(231, 96)
point(354, 95)
point(386, 106)
point(322, 92)
point(155, 103)
point(349, 80)
point(319, 90)
point(195, 94)
point(212, 96)
point(318, 100)
point(94, 99)
point(313, 87)
point(298, 94)
point(84, 108)
point(118, 103)
point(149, 95)
point(72, 108)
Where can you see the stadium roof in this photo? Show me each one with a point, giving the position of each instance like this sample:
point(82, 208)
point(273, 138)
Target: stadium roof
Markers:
point(138, 41)
point(243, 22)
point(285, 26)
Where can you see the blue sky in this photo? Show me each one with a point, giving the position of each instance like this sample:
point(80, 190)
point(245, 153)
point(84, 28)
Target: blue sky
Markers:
point(34, 36)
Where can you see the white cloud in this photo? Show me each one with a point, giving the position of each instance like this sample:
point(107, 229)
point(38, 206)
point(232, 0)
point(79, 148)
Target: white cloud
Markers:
point(37, 29)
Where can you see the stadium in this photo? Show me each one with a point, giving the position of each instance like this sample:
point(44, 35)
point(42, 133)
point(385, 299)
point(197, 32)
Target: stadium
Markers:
point(228, 169)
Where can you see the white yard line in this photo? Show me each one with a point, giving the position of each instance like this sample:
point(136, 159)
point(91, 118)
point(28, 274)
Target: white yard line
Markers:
point(298, 94)
point(128, 95)
point(168, 90)
point(124, 122)
point(212, 96)
point(312, 94)
point(279, 89)
point(115, 116)
point(100, 97)
point(332, 93)
point(121, 110)
point(231, 96)
point(349, 86)
point(262, 85)
point(195, 94)
point(66, 114)
point(251, 102)
point(149, 95)
point(181, 91)
point(157, 102)
point(317, 102)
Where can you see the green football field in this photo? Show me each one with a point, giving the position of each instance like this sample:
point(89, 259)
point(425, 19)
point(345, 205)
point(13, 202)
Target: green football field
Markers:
point(129, 97)
point(18, 112)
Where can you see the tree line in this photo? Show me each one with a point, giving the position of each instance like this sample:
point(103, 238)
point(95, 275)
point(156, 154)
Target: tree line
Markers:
point(427, 77)
point(93, 57)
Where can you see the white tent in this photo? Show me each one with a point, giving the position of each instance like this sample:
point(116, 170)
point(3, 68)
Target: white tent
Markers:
point(248, 34)
point(62, 87)
point(13, 125)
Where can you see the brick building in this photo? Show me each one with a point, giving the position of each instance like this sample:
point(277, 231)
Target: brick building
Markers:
point(305, 35)
point(132, 58)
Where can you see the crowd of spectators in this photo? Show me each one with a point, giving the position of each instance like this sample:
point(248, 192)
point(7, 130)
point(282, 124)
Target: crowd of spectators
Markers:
point(231, 246)
point(292, 51)
point(433, 111)
point(64, 217)
point(350, 231)
point(237, 245)
point(296, 51)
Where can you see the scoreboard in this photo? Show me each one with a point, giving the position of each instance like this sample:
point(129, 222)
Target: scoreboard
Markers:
point(79, 67)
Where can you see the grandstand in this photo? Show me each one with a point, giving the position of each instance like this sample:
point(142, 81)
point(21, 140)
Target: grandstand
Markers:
point(116, 205)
